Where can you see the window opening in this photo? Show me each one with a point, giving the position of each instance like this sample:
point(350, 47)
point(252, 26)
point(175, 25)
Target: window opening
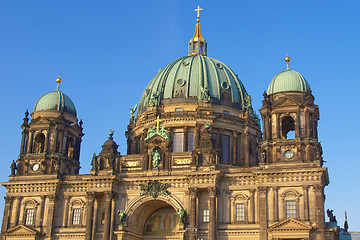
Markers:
point(39, 143)
point(226, 148)
point(240, 212)
point(29, 216)
point(76, 216)
point(206, 215)
point(288, 125)
point(178, 142)
point(190, 142)
point(290, 209)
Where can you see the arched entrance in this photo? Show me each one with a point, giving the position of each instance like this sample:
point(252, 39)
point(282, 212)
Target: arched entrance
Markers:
point(150, 218)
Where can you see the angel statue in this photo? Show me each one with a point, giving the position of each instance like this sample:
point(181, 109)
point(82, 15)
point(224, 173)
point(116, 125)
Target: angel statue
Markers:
point(132, 113)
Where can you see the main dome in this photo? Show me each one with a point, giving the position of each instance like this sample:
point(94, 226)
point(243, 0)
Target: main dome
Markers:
point(186, 79)
point(288, 81)
point(55, 100)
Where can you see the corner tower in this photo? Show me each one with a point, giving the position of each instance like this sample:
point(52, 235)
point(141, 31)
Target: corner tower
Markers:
point(51, 141)
point(290, 120)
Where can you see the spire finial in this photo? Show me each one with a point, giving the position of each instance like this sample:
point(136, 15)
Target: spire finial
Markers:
point(58, 80)
point(198, 13)
point(197, 45)
point(287, 59)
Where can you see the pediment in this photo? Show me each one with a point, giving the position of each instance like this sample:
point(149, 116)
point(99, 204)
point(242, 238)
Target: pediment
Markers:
point(22, 230)
point(286, 102)
point(290, 224)
point(40, 120)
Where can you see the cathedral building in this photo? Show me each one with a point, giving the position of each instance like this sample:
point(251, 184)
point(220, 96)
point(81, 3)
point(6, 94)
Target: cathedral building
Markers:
point(197, 166)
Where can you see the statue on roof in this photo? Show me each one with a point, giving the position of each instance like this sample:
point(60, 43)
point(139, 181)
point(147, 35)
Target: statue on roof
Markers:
point(204, 95)
point(132, 113)
point(331, 216)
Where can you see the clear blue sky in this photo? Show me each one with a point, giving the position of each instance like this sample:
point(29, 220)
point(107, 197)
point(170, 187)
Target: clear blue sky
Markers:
point(107, 52)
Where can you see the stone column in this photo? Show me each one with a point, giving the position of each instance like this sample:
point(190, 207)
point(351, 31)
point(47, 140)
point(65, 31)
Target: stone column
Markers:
point(89, 214)
point(246, 149)
point(275, 204)
point(7, 213)
point(234, 157)
point(47, 141)
point(30, 142)
point(196, 136)
point(50, 217)
point(66, 211)
point(106, 234)
point(93, 232)
point(185, 139)
point(192, 221)
point(262, 206)
point(23, 138)
point(16, 212)
point(252, 206)
point(306, 203)
point(320, 218)
point(39, 219)
point(112, 217)
point(213, 215)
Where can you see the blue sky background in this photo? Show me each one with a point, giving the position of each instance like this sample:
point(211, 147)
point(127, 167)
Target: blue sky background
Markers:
point(107, 52)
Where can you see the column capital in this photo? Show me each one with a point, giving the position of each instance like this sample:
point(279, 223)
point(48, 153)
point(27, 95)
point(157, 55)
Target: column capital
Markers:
point(52, 198)
point(262, 191)
point(8, 199)
point(319, 189)
point(108, 196)
point(90, 196)
point(193, 192)
point(213, 191)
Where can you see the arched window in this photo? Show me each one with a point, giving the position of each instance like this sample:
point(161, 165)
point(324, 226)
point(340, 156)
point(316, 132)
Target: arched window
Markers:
point(29, 210)
point(39, 143)
point(290, 199)
point(76, 210)
point(240, 208)
point(226, 148)
point(288, 128)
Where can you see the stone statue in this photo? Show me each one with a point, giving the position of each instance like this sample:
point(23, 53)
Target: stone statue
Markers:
point(71, 152)
point(94, 162)
point(122, 217)
point(182, 215)
point(331, 216)
point(132, 113)
point(39, 147)
point(248, 106)
point(154, 100)
point(156, 159)
point(163, 133)
point(13, 167)
point(204, 95)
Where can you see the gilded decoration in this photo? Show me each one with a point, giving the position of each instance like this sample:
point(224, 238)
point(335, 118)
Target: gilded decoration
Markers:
point(154, 189)
point(157, 130)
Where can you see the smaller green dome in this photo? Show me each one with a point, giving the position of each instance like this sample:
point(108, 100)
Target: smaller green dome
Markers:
point(288, 81)
point(55, 100)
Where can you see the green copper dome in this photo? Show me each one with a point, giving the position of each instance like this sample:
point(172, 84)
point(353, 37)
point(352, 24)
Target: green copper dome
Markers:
point(195, 78)
point(288, 81)
point(55, 100)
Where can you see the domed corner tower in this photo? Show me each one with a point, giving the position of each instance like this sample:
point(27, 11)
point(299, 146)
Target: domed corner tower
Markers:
point(51, 141)
point(290, 120)
point(195, 112)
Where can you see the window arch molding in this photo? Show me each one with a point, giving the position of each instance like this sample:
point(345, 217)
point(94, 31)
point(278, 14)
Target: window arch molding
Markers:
point(288, 123)
point(29, 209)
point(288, 197)
point(74, 204)
point(240, 205)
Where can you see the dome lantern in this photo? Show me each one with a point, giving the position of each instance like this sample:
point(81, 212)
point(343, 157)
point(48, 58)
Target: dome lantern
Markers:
point(197, 45)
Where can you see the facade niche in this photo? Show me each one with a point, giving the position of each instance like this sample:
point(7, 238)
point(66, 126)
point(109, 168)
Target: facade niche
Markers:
point(288, 127)
point(39, 143)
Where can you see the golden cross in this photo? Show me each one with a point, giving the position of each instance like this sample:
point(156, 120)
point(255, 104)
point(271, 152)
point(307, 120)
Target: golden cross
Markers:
point(198, 11)
point(157, 121)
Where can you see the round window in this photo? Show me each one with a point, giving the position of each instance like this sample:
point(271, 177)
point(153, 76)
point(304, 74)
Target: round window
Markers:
point(180, 82)
point(225, 85)
point(289, 154)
